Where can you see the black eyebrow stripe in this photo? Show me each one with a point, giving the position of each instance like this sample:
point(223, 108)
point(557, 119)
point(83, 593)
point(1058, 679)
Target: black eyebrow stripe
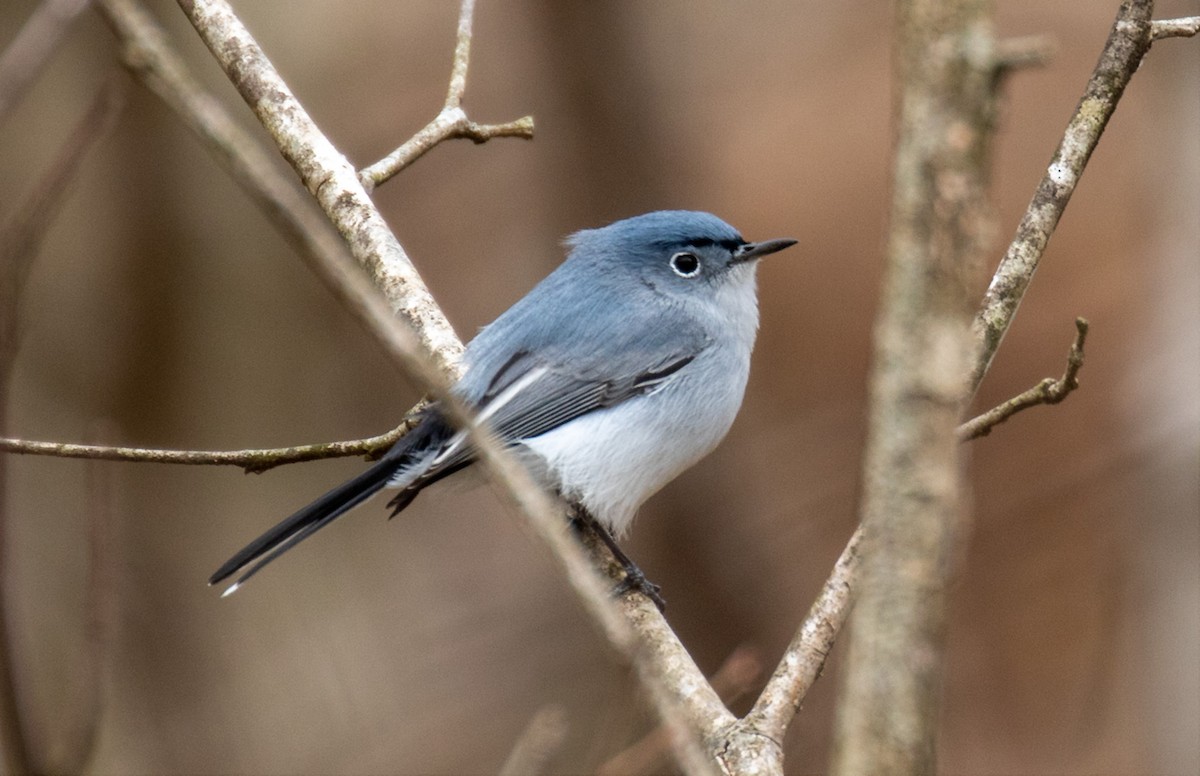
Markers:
point(705, 242)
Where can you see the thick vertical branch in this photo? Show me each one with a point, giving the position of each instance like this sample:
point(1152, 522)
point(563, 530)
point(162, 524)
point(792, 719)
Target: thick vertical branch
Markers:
point(913, 497)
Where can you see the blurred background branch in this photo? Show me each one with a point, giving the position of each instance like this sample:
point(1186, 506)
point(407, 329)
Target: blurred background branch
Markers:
point(28, 52)
point(21, 237)
point(914, 504)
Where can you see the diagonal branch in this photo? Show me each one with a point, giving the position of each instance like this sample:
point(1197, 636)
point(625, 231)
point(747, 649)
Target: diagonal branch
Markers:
point(452, 122)
point(28, 52)
point(326, 173)
point(1048, 391)
point(1128, 42)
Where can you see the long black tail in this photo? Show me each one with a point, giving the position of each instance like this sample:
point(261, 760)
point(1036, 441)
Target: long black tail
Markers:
point(306, 522)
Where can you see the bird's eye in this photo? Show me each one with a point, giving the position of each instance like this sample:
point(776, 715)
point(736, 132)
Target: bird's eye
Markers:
point(686, 265)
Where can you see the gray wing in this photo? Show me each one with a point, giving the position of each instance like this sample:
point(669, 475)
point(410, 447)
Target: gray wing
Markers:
point(544, 363)
point(527, 398)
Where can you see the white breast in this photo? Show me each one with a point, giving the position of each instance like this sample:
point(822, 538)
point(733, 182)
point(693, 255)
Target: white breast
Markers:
point(613, 460)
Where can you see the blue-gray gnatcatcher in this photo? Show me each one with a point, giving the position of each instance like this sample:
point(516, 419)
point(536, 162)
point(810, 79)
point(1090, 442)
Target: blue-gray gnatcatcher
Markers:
point(622, 368)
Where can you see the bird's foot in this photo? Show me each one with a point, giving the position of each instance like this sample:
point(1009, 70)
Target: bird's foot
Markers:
point(635, 581)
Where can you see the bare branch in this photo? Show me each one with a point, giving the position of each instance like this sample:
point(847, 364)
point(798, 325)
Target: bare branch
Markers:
point(732, 680)
point(912, 506)
point(253, 461)
point(1048, 391)
point(31, 48)
point(1127, 43)
point(805, 656)
point(452, 122)
point(538, 742)
point(1186, 27)
point(326, 173)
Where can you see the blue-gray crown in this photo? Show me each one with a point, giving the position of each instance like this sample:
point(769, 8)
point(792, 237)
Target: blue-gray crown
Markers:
point(660, 229)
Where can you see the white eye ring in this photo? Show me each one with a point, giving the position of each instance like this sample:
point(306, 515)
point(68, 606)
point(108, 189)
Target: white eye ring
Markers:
point(686, 264)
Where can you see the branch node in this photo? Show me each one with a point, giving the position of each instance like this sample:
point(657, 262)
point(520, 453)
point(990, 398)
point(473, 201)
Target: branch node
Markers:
point(1048, 391)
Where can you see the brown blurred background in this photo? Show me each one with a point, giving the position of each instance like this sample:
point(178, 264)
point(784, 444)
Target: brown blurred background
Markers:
point(165, 311)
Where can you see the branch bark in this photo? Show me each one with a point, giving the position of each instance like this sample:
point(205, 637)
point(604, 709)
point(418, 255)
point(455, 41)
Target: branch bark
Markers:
point(914, 497)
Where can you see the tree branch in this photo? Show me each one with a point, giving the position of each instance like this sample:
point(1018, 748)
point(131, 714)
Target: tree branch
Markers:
point(1127, 43)
point(326, 173)
point(451, 122)
point(1048, 391)
point(805, 656)
point(913, 503)
point(253, 461)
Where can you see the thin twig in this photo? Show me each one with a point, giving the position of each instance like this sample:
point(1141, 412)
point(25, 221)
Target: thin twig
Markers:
point(31, 48)
point(538, 743)
point(253, 461)
point(1186, 27)
point(326, 173)
point(1048, 391)
point(1127, 43)
point(452, 122)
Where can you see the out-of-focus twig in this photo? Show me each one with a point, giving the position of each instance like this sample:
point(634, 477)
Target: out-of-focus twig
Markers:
point(253, 461)
point(452, 122)
point(20, 238)
point(1048, 391)
point(538, 743)
point(31, 48)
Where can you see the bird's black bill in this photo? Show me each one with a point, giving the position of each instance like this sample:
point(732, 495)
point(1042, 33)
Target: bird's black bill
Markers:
point(752, 251)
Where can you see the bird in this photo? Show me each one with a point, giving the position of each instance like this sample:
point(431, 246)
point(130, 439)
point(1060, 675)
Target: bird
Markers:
point(618, 371)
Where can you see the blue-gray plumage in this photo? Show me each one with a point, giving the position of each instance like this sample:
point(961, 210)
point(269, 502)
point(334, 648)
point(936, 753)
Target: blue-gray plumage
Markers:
point(622, 368)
